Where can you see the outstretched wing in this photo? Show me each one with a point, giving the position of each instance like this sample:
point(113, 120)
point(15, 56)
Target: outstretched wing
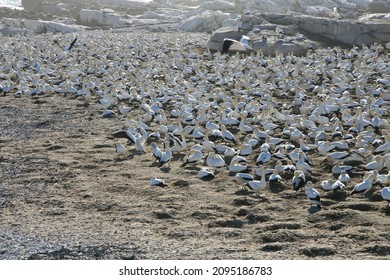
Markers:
point(72, 44)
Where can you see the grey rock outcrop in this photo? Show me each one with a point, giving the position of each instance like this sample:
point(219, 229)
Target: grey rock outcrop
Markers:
point(206, 21)
point(364, 31)
point(318, 11)
point(101, 18)
point(216, 40)
point(268, 42)
point(285, 6)
point(38, 26)
point(219, 5)
point(379, 6)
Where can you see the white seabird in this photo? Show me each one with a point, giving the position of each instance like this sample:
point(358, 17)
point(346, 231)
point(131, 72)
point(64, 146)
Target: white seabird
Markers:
point(344, 177)
point(231, 45)
point(326, 185)
point(120, 149)
point(376, 164)
point(157, 182)
point(264, 157)
point(236, 167)
point(165, 157)
point(227, 135)
point(245, 149)
point(299, 180)
point(256, 185)
point(364, 186)
point(205, 173)
point(302, 165)
point(243, 178)
point(338, 185)
point(214, 160)
point(337, 168)
point(275, 177)
point(193, 157)
point(157, 153)
point(289, 167)
point(385, 193)
point(384, 179)
point(313, 194)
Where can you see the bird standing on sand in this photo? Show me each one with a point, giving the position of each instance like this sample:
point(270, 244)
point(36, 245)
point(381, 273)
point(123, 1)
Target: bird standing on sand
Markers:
point(243, 178)
point(364, 186)
point(165, 157)
point(385, 193)
point(206, 173)
point(156, 151)
point(120, 150)
point(299, 180)
point(313, 194)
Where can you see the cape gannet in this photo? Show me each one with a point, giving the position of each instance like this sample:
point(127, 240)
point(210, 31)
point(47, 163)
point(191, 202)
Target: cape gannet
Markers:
point(120, 150)
point(313, 194)
point(157, 182)
point(385, 193)
point(231, 45)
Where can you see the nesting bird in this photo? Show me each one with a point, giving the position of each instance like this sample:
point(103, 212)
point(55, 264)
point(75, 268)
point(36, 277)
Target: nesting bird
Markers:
point(365, 185)
point(231, 45)
point(214, 160)
point(120, 150)
point(313, 195)
point(157, 182)
point(205, 173)
point(299, 180)
point(385, 193)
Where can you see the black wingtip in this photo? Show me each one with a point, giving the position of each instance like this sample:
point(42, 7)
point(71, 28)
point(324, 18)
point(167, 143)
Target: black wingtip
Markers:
point(72, 44)
point(226, 45)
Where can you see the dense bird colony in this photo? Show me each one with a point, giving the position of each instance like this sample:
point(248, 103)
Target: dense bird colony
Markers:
point(173, 99)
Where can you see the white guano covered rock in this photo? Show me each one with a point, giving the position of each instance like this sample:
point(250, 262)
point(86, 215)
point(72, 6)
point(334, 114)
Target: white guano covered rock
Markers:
point(41, 26)
point(264, 6)
point(101, 18)
point(366, 30)
point(216, 40)
point(204, 22)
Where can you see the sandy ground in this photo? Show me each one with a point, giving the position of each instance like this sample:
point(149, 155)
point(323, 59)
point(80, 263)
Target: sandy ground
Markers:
point(65, 194)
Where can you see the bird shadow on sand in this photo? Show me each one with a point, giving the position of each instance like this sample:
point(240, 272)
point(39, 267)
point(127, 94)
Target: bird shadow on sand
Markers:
point(165, 169)
point(313, 209)
point(386, 210)
point(243, 192)
point(207, 179)
point(155, 164)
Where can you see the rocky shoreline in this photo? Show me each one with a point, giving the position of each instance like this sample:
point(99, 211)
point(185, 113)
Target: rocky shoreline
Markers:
point(288, 27)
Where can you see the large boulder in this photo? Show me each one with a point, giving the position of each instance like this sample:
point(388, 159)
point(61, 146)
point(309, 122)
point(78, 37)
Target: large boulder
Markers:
point(379, 6)
point(219, 5)
point(206, 21)
point(101, 18)
point(318, 11)
point(349, 32)
point(364, 31)
point(40, 26)
point(268, 42)
point(262, 6)
point(283, 6)
point(216, 40)
point(361, 4)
